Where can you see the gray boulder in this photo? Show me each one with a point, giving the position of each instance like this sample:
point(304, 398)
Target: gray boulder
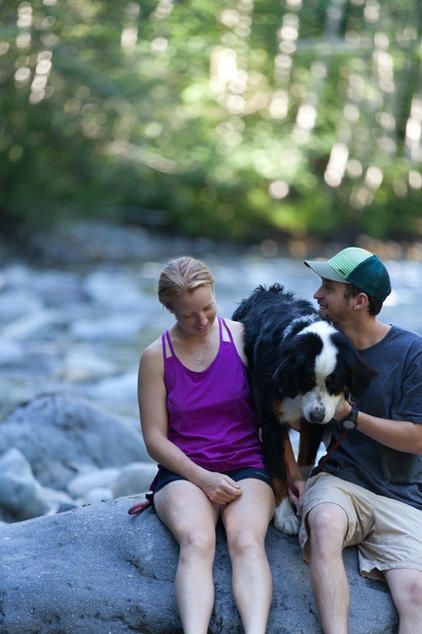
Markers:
point(97, 569)
point(21, 496)
point(133, 478)
point(62, 434)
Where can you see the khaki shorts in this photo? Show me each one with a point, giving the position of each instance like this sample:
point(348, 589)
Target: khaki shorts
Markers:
point(388, 533)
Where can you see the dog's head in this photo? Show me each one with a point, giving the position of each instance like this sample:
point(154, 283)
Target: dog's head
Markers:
point(319, 365)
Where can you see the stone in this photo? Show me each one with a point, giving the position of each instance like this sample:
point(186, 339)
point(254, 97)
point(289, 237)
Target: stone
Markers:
point(83, 365)
point(98, 494)
point(21, 496)
point(133, 478)
point(81, 484)
point(97, 570)
point(61, 435)
point(99, 286)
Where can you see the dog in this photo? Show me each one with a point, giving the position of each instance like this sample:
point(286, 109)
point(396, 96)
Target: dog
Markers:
point(302, 369)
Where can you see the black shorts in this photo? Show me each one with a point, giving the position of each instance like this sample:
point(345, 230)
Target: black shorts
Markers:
point(164, 476)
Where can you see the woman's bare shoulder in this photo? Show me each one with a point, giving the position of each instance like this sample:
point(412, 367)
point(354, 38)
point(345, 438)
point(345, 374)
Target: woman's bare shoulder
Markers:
point(152, 352)
point(236, 327)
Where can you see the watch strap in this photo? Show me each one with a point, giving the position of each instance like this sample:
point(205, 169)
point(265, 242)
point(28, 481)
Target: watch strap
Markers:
point(351, 420)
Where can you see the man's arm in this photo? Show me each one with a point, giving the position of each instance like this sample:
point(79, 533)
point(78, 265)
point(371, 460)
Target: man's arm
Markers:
point(401, 435)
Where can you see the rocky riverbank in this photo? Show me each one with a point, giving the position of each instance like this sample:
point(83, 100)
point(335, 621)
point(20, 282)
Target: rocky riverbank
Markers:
point(78, 306)
point(76, 310)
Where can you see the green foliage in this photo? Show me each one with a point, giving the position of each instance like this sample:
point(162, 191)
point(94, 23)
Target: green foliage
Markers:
point(225, 119)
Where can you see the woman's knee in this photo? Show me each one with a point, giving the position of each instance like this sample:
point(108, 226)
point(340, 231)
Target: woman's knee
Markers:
point(198, 541)
point(245, 540)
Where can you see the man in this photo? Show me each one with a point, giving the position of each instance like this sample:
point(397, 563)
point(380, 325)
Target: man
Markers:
point(369, 491)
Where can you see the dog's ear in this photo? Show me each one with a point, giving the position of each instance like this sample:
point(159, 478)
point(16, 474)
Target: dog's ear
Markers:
point(298, 325)
point(286, 379)
point(287, 374)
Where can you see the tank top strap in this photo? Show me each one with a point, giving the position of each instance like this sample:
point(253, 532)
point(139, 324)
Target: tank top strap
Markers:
point(221, 321)
point(166, 341)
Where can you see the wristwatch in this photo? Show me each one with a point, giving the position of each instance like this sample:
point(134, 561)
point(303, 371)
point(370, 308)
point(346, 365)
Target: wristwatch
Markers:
point(350, 421)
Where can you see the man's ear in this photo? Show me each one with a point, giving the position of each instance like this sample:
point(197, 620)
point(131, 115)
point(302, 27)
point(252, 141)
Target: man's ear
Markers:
point(361, 301)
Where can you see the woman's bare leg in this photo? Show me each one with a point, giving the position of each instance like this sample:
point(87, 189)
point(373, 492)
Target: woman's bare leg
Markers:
point(192, 518)
point(246, 521)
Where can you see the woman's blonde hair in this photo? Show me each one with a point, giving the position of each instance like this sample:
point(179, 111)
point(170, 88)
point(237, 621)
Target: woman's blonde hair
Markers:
point(181, 275)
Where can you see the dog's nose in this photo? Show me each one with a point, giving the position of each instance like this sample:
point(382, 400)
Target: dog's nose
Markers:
point(317, 416)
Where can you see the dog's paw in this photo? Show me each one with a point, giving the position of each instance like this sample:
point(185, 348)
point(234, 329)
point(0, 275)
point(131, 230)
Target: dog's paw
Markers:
point(285, 519)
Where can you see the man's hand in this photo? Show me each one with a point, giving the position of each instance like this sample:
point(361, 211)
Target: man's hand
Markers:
point(296, 490)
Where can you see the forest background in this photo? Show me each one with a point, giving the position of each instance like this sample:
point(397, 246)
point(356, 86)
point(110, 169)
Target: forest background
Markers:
point(240, 120)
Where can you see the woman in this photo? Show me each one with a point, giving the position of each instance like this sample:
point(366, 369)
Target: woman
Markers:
point(199, 425)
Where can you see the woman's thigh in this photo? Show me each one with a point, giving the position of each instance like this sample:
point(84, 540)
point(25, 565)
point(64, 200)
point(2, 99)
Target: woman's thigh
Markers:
point(185, 510)
point(252, 511)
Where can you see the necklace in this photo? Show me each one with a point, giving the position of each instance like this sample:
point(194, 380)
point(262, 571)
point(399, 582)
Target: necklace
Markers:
point(202, 359)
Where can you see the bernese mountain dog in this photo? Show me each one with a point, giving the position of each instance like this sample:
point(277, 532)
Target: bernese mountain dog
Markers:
point(302, 368)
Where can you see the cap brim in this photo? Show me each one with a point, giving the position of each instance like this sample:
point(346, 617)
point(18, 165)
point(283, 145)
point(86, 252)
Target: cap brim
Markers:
point(323, 269)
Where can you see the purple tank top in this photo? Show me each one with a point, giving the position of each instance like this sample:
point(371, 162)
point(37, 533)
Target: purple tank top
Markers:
point(210, 413)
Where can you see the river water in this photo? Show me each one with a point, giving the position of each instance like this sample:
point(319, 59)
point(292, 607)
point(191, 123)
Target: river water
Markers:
point(81, 326)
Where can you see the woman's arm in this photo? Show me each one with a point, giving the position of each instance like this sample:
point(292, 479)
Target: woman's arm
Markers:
point(153, 413)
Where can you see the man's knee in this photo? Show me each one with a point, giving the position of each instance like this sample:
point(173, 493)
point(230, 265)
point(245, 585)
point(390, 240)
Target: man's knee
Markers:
point(415, 592)
point(327, 525)
point(406, 589)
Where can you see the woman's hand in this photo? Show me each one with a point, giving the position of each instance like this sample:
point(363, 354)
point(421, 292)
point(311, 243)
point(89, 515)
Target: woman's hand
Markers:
point(220, 488)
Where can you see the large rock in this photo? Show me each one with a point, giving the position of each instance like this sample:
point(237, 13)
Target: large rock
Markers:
point(20, 493)
point(99, 570)
point(62, 434)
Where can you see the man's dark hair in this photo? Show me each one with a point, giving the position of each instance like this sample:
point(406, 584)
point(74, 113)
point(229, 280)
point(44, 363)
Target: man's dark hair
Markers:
point(374, 305)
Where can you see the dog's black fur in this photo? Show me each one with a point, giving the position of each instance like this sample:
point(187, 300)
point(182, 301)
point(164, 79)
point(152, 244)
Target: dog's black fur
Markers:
point(283, 337)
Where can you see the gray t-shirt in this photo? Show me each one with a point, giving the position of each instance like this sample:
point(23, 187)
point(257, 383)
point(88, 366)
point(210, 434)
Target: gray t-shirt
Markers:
point(395, 393)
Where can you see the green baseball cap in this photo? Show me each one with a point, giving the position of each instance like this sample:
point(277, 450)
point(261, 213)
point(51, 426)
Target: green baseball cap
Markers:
point(358, 267)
